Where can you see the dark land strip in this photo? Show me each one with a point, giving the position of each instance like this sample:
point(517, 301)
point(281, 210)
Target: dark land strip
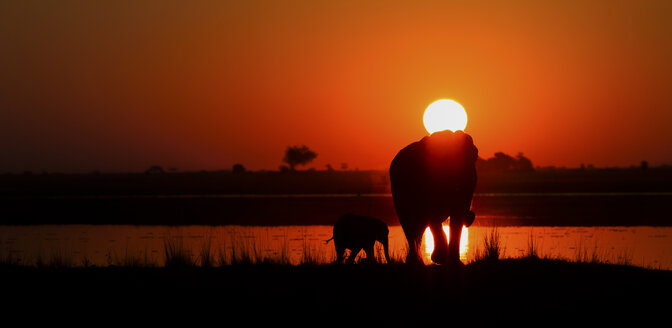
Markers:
point(604, 209)
point(516, 290)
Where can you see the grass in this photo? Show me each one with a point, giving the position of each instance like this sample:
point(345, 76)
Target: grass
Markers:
point(205, 254)
point(493, 248)
point(398, 256)
point(532, 247)
point(582, 255)
point(246, 251)
point(176, 254)
point(137, 259)
point(242, 253)
point(309, 256)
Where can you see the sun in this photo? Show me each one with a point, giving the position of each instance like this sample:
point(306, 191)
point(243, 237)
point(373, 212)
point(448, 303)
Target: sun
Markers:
point(444, 114)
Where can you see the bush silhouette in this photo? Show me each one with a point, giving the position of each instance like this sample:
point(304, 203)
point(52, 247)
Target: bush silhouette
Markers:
point(155, 169)
point(238, 168)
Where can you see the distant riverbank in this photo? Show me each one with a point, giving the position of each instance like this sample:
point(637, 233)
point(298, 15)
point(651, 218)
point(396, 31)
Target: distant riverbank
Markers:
point(615, 197)
point(323, 182)
point(492, 209)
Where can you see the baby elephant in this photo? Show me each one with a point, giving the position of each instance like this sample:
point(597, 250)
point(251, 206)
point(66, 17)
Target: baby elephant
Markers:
point(357, 232)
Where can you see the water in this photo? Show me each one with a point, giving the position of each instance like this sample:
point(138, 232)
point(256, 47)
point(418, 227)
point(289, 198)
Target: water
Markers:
point(104, 245)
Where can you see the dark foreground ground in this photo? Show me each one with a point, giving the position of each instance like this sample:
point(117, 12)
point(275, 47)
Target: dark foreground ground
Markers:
point(526, 291)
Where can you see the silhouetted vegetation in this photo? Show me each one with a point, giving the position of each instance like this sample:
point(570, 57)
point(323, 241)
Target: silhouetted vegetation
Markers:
point(155, 169)
point(503, 162)
point(493, 249)
point(298, 155)
point(238, 169)
point(176, 254)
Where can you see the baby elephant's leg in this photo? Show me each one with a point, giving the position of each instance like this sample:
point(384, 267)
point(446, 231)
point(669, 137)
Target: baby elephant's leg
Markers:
point(370, 254)
point(353, 255)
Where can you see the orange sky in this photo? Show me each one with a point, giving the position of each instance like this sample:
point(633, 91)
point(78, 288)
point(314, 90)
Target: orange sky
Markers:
point(122, 85)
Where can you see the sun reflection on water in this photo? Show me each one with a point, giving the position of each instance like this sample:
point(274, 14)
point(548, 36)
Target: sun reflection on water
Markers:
point(428, 242)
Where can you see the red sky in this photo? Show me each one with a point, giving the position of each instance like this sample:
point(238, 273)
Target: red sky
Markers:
point(120, 86)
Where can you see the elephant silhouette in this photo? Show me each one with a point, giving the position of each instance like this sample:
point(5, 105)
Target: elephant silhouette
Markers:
point(433, 179)
point(357, 232)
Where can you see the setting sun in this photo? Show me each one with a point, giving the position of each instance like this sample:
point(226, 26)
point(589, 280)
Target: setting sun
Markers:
point(444, 114)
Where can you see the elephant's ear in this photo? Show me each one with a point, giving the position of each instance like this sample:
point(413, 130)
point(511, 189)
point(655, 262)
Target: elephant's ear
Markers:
point(474, 154)
point(472, 151)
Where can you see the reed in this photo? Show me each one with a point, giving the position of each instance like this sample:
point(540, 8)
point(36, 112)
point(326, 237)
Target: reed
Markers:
point(222, 258)
point(134, 259)
point(176, 254)
point(624, 258)
point(532, 247)
point(309, 256)
point(284, 251)
point(205, 253)
point(57, 259)
point(242, 253)
point(493, 248)
point(398, 256)
point(9, 259)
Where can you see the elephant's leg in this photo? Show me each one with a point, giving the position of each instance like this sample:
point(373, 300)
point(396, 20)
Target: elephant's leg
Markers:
point(353, 255)
point(369, 250)
point(340, 250)
point(440, 253)
point(455, 236)
point(414, 239)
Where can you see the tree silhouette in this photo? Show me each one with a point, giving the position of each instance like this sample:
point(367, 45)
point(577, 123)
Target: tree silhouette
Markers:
point(155, 169)
point(238, 168)
point(502, 162)
point(298, 155)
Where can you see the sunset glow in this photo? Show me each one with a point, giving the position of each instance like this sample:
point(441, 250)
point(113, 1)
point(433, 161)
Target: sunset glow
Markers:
point(235, 86)
point(285, 156)
point(444, 114)
point(428, 241)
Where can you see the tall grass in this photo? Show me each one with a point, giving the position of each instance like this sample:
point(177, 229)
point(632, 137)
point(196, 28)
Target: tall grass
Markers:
point(284, 251)
point(176, 254)
point(310, 257)
point(247, 252)
point(532, 247)
point(137, 259)
point(205, 253)
point(398, 256)
point(11, 260)
point(493, 248)
point(57, 259)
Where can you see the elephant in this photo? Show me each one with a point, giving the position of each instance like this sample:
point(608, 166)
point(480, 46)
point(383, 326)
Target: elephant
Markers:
point(357, 232)
point(431, 180)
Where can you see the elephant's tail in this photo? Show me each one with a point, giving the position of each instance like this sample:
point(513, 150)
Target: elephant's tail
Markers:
point(328, 240)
